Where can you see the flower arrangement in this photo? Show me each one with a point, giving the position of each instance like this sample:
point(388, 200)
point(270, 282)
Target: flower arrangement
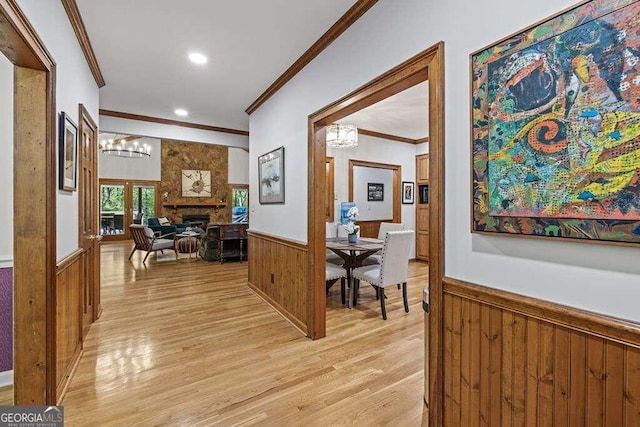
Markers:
point(351, 226)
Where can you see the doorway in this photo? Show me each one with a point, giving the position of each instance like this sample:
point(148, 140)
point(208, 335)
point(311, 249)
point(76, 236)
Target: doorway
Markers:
point(426, 66)
point(34, 216)
point(124, 202)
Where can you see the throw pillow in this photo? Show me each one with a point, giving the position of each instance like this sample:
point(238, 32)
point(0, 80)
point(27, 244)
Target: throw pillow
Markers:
point(163, 220)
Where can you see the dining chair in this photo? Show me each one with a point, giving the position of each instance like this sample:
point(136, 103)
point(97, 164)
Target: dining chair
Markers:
point(385, 227)
point(144, 239)
point(392, 270)
point(332, 273)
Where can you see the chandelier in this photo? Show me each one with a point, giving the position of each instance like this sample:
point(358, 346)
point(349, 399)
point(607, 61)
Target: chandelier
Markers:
point(342, 136)
point(125, 147)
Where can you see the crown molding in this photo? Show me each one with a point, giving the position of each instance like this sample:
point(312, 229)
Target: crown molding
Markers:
point(391, 137)
point(341, 25)
point(130, 116)
point(83, 39)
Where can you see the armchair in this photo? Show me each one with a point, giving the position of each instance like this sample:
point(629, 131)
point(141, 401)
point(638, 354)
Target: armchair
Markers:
point(144, 239)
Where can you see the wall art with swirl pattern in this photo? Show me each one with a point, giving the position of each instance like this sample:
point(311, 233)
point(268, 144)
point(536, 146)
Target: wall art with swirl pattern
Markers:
point(556, 127)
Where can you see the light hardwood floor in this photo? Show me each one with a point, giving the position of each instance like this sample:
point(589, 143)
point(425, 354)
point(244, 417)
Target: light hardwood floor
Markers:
point(190, 344)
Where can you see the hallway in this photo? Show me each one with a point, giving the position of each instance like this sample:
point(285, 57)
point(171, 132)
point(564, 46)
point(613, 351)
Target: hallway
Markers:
point(189, 344)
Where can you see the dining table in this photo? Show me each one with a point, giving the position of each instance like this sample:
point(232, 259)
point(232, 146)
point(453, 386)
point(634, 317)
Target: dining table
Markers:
point(353, 253)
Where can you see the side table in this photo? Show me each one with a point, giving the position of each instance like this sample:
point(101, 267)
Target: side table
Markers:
point(187, 242)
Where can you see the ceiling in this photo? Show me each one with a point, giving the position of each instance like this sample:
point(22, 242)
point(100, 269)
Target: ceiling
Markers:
point(142, 48)
point(404, 114)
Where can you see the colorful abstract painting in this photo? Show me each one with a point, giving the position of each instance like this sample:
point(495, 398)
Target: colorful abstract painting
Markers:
point(556, 127)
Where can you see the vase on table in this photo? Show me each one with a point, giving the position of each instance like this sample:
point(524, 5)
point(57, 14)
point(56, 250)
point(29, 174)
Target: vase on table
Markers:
point(353, 237)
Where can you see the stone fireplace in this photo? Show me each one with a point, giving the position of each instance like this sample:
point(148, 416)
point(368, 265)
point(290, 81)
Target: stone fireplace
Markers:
point(199, 217)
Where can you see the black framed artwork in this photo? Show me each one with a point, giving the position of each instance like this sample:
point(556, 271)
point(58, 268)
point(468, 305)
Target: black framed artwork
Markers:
point(67, 153)
point(375, 192)
point(408, 192)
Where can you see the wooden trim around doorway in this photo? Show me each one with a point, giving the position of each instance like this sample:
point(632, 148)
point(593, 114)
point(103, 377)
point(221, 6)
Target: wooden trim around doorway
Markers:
point(397, 176)
point(34, 220)
point(427, 65)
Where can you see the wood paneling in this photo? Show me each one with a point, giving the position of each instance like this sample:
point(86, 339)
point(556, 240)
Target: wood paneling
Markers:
point(141, 118)
point(68, 318)
point(371, 228)
point(506, 365)
point(178, 156)
point(278, 273)
point(345, 21)
point(422, 169)
point(422, 209)
point(330, 190)
point(83, 39)
point(31, 297)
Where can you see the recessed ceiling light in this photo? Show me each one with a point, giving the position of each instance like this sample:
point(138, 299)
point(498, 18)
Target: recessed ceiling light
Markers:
point(198, 58)
point(181, 112)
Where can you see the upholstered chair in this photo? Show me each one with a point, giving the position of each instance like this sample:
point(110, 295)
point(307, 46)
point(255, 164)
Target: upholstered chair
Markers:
point(144, 239)
point(334, 272)
point(392, 270)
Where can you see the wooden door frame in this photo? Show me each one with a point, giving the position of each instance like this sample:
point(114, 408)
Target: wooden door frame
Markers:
point(330, 162)
point(427, 65)
point(34, 219)
point(397, 178)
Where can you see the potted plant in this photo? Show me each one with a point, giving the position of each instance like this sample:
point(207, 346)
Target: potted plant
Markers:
point(350, 226)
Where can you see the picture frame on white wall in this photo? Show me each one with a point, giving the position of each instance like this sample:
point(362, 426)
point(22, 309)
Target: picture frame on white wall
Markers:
point(67, 153)
point(271, 177)
point(408, 192)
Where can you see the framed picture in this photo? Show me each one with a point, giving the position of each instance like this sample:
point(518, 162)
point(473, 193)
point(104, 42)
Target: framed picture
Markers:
point(408, 190)
point(424, 193)
point(271, 177)
point(555, 135)
point(375, 192)
point(67, 153)
point(196, 183)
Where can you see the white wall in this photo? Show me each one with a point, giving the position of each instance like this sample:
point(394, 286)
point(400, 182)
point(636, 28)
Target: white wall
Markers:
point(145, 168)
point(6, 161)
point(150, 168)
point(373, 210)
point(238, 166)
point(594, 277)
point(179, 133)
point(74, 85)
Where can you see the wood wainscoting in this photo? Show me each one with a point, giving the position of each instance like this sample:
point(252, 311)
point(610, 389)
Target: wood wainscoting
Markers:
point(278, 274)
point(371, 228)
point(68, 319)
point(514, 360)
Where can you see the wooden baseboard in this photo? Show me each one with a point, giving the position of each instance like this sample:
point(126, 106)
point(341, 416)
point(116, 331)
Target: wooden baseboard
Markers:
point(280, 310)
point(65, 384)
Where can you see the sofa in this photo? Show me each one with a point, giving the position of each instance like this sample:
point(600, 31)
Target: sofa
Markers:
point(159, 226)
